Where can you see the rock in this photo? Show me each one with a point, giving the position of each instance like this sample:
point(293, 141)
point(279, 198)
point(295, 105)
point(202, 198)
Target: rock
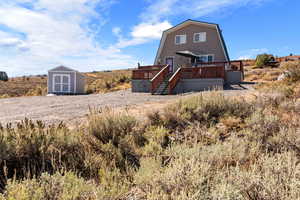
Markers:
point(283, 76)
point(51, 95)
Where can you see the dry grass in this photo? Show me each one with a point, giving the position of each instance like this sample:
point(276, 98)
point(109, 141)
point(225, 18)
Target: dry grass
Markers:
point(101, 82)
point(23, 86)
point(205, 147)
point(262, 75)
point(97, 82)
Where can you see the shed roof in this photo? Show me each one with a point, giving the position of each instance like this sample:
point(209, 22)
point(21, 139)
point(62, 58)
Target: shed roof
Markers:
point(62, 68)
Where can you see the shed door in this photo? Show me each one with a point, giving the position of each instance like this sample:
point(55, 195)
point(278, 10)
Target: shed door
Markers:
point(61, 83)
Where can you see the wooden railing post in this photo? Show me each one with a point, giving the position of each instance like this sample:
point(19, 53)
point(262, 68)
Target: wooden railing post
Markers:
point(174, 80)
point(159, 78)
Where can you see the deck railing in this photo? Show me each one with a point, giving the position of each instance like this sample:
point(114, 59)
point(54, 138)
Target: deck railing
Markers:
point(159, 78)
point(152, 67)
point(203, 72)
point(144, 74)
point(174, 80)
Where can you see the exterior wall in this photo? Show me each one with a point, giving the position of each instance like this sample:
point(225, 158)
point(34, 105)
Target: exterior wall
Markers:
point(233, 77)
point(50, 80)
point(80, 83)
point(213, 45)
point(140, 86)
point(195, 85)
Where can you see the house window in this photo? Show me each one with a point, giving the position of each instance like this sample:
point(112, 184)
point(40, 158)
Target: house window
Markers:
point(200, 37)
point(205, 58)
point(180, 39)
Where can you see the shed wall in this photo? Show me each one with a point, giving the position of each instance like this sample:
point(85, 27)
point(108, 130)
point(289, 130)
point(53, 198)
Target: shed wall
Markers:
point(80, 83)
point(50, 81)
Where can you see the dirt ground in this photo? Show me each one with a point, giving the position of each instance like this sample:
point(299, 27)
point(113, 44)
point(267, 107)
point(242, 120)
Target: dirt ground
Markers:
point(74, 109)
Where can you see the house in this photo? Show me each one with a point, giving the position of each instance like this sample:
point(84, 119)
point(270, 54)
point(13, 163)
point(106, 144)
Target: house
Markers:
point(288, 58)
point(192, 56)
point(63, 80)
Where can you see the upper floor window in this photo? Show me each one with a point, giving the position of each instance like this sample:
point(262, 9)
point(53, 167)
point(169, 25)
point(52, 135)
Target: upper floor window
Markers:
point(180, 39)
point(200, 37)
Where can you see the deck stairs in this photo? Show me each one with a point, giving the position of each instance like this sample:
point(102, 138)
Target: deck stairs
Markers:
point(163, 88)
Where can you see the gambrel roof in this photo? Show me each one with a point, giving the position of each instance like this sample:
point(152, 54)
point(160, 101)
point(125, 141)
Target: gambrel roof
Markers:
point(186, 23)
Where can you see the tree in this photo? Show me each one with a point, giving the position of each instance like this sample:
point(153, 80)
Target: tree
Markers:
point(3, 76)
point(263, 60)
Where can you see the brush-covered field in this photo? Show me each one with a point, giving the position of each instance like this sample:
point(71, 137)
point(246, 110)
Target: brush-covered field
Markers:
point(96, 82)
point(204, 147)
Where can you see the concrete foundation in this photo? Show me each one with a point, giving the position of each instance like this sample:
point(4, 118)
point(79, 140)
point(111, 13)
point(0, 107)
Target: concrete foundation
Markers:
point(140, 86)
point(234, 77)
point(196, 85)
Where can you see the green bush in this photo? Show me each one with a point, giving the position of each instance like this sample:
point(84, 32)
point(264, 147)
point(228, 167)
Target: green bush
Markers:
point(31, 148)
point(114, 135)
point(3, 76)
point(58, 186)
point(263, 60)
point(204, 109)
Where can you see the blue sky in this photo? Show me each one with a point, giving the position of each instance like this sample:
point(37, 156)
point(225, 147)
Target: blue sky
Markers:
point(36, 35)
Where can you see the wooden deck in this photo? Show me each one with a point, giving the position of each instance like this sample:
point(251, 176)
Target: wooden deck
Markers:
point(157, 73)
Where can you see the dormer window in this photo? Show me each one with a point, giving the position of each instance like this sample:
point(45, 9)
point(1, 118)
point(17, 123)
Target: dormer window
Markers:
point(180, 39)
point(200, 37)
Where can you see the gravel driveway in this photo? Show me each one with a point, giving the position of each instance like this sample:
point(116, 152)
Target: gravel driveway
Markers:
point(53, 109)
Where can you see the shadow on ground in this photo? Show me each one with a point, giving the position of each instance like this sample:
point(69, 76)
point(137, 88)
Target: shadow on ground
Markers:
point(240, 86)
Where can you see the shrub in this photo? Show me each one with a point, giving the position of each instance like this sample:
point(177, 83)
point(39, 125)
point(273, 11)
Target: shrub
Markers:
point(292, 69)
point(263, 60)
point(3, 76)
point(58, 186)
point(37, 91)
point(205, 109)
point(114, 136)
point(31, 148)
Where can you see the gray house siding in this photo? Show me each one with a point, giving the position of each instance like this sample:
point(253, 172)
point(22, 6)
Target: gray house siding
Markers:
point(141, 86)
point(214, 44)
point(196, 85)
point(234, 77)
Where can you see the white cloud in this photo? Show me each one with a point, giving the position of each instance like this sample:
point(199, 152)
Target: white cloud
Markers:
point(160, 9)
point(251, 53)
point(142, 33)
point(150, 30)
point(153, 18)
point(55, 32)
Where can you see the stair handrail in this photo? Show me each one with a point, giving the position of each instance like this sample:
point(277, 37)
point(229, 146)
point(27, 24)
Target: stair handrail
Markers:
point(174, 80)
point(159, 78)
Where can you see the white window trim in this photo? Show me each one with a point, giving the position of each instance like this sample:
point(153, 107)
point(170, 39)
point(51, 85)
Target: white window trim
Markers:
point(61, 75)
point(180, 36)
point(199, 37)
point(213, 56)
